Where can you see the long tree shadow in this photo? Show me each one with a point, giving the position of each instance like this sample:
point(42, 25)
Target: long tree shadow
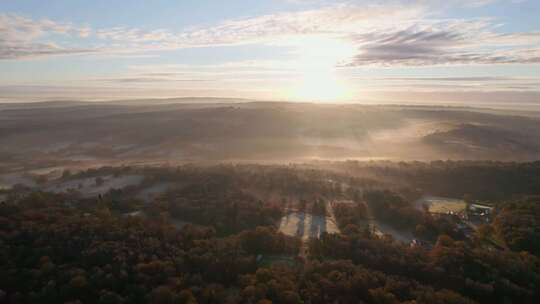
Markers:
point(285, 220)
point(300, 226)
point(318, 226)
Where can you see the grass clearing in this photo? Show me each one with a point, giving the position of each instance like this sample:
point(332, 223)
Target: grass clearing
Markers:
point(443, 205)
point(305, 225)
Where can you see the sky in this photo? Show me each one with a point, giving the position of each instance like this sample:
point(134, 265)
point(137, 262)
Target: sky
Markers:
point(408, 51)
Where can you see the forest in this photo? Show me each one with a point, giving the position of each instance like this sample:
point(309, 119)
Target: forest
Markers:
point(62, 246)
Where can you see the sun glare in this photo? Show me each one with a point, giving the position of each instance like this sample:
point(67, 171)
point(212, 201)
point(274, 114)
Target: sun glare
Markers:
point(318, 79)
point(320, 85)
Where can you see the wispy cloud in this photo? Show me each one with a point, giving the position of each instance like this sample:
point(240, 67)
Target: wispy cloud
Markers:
point(446, 42)
point(20, 38)
point(389, 34)
point(441, 84)
point(142, 79)
point(452, 79)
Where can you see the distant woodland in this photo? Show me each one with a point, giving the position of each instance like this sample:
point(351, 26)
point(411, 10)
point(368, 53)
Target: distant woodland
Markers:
point(85, 133)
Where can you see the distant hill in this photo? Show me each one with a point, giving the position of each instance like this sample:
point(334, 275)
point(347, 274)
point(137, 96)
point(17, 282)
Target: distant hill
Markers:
point(486, 141)
point(190, 129)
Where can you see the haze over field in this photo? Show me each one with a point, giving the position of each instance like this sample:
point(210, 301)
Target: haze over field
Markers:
point(197, 130)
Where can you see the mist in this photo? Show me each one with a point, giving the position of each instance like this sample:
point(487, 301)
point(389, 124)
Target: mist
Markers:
point(81, 134)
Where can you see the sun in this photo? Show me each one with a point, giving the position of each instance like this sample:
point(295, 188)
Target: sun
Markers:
point(318, 75)
point(320, 85)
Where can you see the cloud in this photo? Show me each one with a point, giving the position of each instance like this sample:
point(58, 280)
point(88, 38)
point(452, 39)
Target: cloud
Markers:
point(8, 51)
point(445, 43)
point(19, 38)
point(452, 79)
point(394, 33)
point(241, 72)
point(472, 83)
point(150, 80)
point(475, 3)
point(85, 32)
point(22, 37)
point(272, 28)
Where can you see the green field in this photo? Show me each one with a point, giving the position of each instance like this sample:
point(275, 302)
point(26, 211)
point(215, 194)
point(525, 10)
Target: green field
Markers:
point(443, 204)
